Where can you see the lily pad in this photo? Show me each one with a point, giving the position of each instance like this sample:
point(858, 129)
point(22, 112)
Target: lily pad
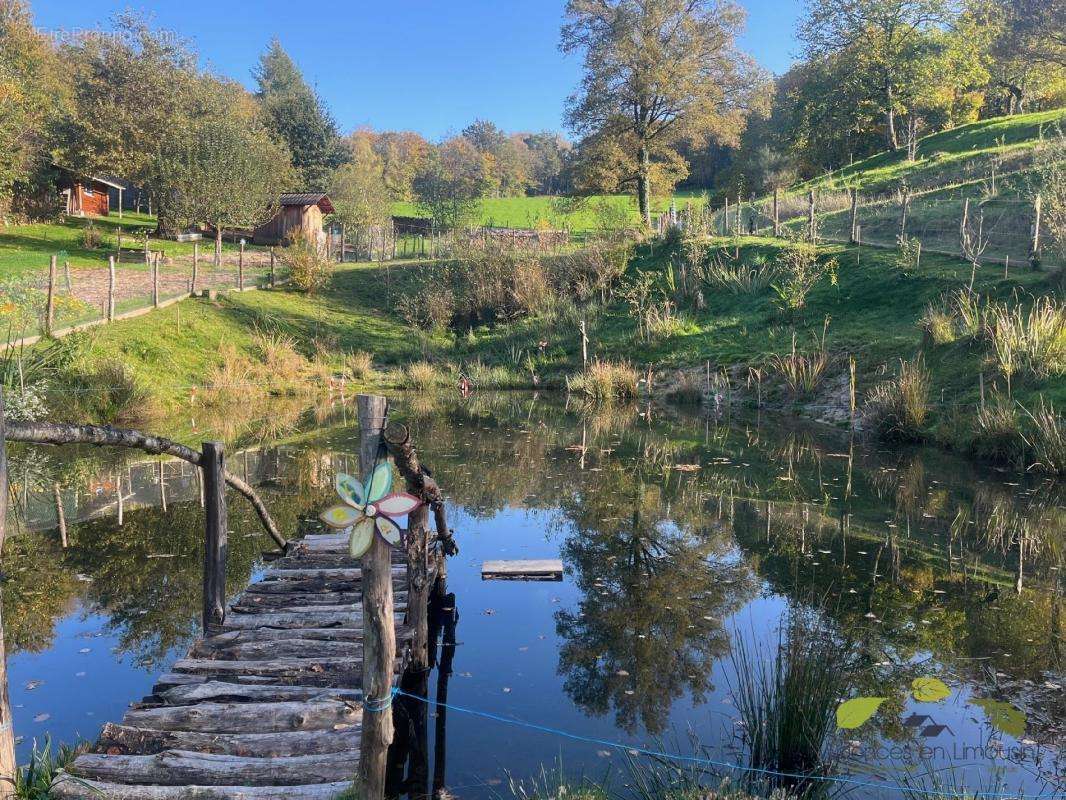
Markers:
point(855, 712)
point(929, 690)
point(1003, 716)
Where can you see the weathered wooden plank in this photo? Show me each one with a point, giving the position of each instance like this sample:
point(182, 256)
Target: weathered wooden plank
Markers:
point(342, 669)
point(247, 717)
point(303, 619)
point(523, 569)
point(124, 740)
point(339, 573)
point(185, 768)
point(66, 788)
point(281, 648)
point(252, 601)
point(223, 692)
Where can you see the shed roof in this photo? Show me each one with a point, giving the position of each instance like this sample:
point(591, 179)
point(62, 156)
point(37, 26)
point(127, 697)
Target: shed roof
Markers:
point(320, 199)
point(92, 178)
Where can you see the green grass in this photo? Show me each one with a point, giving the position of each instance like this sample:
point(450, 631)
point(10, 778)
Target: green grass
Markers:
point(555, 212)
point(26, 249)
point(946, 157)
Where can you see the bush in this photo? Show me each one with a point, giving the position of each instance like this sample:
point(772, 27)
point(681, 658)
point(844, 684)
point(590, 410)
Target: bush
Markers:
point(360, 365)
point(90, 236)
point(431, 308)
point(424, 376)
point(908, 254)
point(309, 269)
point(799, 271)
point(605, 381)
point(897, 409)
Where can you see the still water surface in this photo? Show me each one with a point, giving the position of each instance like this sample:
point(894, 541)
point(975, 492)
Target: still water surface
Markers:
point(680, 534)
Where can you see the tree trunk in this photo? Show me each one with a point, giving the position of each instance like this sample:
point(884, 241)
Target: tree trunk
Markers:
point(890, 119)
point(644, 185)
point(218, 245)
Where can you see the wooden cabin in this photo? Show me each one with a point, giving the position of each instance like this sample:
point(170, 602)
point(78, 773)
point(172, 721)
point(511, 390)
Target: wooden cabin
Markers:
point(85, 195)
point(297, 213)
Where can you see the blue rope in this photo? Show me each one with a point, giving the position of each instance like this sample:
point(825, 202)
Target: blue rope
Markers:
point(707, 761)
point(381, 704)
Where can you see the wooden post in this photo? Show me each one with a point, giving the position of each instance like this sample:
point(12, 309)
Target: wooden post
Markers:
point(110, 308)
point(147, 253)
point(273, 273)
point(854, 234)
point(584, 344)
point(8, 765)
point(155, 281)
point(777, 211)
point(240, 267)
point(120, 204)
point(216, 539)
point(195, 264)
point(810, 217)
point(66, 277)
point(725, 217)
point(379, 635)
point(964, 224)
point(1034, 247)
point(50, 307)
point(61, 518)
point(118, 246)
point(343, 242)
point(905, 201)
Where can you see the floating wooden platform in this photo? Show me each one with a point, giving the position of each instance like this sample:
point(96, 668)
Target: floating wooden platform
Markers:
point(544, 569)
point(269, 708)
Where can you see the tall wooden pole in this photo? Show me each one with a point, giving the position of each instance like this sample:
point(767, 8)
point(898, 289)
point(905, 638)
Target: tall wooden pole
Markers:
point(273, 273)
point(111, 289)
point(811, 233)
point(240, 267)
point(379, 635)
point(155, 281)
point(50, 308)
point(853, 236)
point(777, 211)
point(8, 765)
point(1034, 247)
point(216, 543)
point(195, 264)
point(61, 518)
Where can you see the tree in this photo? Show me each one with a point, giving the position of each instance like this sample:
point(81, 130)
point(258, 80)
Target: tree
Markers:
point(297, 115)
point(451, 183)
point(31, 95)
point(1028, 51)
point(656, 72)
point(885, 37)
point(358, 190)
point(548, 156)
point(233, 172)
point(403, 154)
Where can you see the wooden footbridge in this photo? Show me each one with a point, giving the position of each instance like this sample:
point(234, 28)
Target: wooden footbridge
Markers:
point(270, 702)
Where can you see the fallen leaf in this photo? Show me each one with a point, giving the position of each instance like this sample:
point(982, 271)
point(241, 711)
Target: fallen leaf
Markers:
point(854, 713)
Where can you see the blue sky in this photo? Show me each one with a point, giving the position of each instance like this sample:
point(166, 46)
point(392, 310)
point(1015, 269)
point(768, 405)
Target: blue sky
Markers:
point(426, 65)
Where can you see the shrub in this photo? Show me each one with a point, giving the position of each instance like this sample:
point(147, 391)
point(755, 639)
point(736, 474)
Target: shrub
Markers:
point(360, 365)
point(897, 409)
point(431, 308)
point(605, 381)
point(799, 271)
point(424, 376)
point(908, 254)
point(309, 268)
point(90, 236)
point(108, 392)
point(1047, 439)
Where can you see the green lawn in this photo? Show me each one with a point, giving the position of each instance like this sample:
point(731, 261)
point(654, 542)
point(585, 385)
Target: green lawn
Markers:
point(26, 249)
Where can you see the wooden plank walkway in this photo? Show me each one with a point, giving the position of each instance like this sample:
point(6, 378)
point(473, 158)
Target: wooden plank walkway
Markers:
point(269, 708)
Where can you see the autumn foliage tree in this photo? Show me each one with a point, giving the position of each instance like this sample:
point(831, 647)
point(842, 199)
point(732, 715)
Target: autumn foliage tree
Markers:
point(656, 72)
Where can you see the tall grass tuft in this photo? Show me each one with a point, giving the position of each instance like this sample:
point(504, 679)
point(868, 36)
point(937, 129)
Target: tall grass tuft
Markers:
point(997, 433)
point(737, 276)
point(787, 696)
point(33, 781)
point(107, 392)
point(605, 381)
point(938, 325)
point(897, 409)
point(1030, 341)
point(802, 373)
point(425, 377)
point(360, 365)
point(1047, 439)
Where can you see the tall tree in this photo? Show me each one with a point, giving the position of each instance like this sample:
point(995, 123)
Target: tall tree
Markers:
point(359, 192)
point(403, 153)
point(298, 116)
point(451, 183)
point(886, 37)
point(656, 72)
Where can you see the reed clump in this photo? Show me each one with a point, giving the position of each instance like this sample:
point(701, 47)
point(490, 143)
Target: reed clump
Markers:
point(1029, 340)
point(802, 373)
point(1046, 438)
point(360, 365)
point(997, 432)
point(605, 381)
point(897, 409)
point(424, 376)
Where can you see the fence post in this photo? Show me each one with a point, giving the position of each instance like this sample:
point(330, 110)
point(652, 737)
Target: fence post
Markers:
point(147, 253)
point(240, 267)
point(50, 307)
point(61, 518)
point(273, 273)
point(853, 235)
point(216, 544)
point(584, 344)
point(111, 289)
point(118, 246)
point(905, 201)
point(155, 281)
point(379, 636)
point(66, 276)
point(344, 240)
point(810, 216)
point(1034, 247)
point(777, 211)
point(195, 264)
point(725, 217)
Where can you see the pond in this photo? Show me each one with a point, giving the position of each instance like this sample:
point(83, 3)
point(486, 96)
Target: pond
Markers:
point(695, 548)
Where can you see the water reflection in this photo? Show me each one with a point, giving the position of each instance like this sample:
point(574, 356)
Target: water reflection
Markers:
point(675, 531)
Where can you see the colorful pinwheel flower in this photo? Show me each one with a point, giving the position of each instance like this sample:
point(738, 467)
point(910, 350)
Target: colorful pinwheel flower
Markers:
point(370, 508)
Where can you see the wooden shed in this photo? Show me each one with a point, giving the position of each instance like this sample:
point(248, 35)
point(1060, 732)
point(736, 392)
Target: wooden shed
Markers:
point(85, 195)
point(299, 212)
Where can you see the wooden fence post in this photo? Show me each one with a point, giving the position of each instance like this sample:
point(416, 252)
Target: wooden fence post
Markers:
point(61, 518)
point(379, 634)
point(111, 289)
point(964, 224)
point(1034, 247)
point(725, 217)
point(240, 267)
point(155, 281)
point(118, 246)
point(905, 202)
point(8, 763)
point(777, 211)
point(273, 273)
point(195, 265)
point(66, 277)
point(811, 233)
point(584, 344)
point(344, 239)
point(216, 542)
point(50, 307)
point(853, 235)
